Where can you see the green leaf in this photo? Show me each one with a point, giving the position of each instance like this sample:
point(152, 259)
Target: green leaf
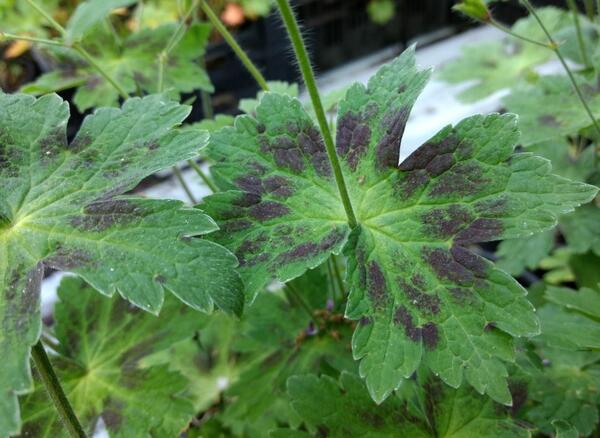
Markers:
point(569, 330)
point(60, 208)
point(420, 295)
point(496, 65)
point(566, 389)
point(276, 349)
point(562, 429)
point(19, 17)
point(475, 9)
point(134, 66)
point(249, 105)
point(549, 107)
point(343, 409)
point(100, 370)
point(581, 229)
point(89, 13)
point(381, 11)
point(586, 301)
point(585, 269)
point(516, 255)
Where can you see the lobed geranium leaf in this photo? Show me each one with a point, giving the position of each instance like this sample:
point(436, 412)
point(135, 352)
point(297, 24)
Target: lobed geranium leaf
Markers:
point(581, 229)
point(100, 368)
point(420, 295)
point(334, 409)
point(549, 108)
point(60, 208)
point(496, 65)
point(516, 255)
point(249, 105)
point(134, 66)
point(567, 388)
point(586, 301)
point(89, 13)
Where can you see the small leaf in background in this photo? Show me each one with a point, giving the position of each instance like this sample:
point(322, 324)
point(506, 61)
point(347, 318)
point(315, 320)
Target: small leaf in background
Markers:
point(249, 105)
point(562, 429)
point(89, 13)
point(549, 107)
point(101, 344)
point(516, 255)
point(418, 294)
point(475, 9)
point(344, 409)
point(60, 208)
point(134, 66)
point(496, 65)
point(381, 11)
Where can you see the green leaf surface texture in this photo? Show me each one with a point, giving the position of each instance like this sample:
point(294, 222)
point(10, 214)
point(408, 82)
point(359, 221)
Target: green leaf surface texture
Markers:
point(134, 66)
point(420, 296)
point(60, 208)
point(99, 367)
point(496, 65)
point(341, 409)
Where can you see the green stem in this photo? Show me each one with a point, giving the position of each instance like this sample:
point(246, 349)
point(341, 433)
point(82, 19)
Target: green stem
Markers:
point(207, 106)
point(10, 36)
point(211, 185)
point(309, 79)
point(48, 17)
point(293, 294)
point(55, 391)
point(509, 31)
point(589, 9)
point(556, 50)
point(79, 49)
point(186, 188)
point(580, 41)
point(338, 275)
point(241, 54)
point(84, 54)
point(331, 276)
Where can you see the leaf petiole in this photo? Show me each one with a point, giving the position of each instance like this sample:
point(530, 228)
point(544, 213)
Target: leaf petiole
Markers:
point(55, 391)
point(309, 79)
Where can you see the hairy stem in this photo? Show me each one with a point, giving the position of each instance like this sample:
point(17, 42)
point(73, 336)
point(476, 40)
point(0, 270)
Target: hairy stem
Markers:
point(556, 50)
point(203, 176)
point(309, 79)
point(580, 41)
point(55, 391)
point(240, 53)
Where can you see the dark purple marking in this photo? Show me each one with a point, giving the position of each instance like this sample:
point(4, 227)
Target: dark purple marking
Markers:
point(160, 279)
point(361, 267)
point(410, 182)
point(377, 287)
point(250, 183)
point(100, 216)
point(481, 230)
point(268, 210)
point(464, 179)
point(444, 223)
point(387, 151)
point(311, 249)
point(278, 186)
point(430, 335)
point(403, 317)
point(445, 267)
point(492, 207)
point(427, 303)
point(235, 225)
point(460, 295)
point(471, 261)
point(261, 128)
point(68, 259)
point(421, 158)
point(290, 158)
point(440, 164)
point(247, 200)
point(353, 137)
point(365, 320)
point(549, 120)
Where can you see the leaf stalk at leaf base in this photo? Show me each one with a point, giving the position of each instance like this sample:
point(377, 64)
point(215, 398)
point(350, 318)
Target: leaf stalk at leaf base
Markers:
point(185, 186)
point(203, 176)
point(10, 36)
point(241, 54)
point(48, 17)
point(556, 50)
point(55, 391)
point(309, 79)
